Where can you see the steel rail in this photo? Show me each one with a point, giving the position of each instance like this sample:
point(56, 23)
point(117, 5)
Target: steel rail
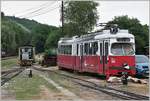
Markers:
point(7, 76)
point(111, 91)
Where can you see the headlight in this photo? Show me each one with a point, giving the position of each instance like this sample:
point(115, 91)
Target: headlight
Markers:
point(126, 66)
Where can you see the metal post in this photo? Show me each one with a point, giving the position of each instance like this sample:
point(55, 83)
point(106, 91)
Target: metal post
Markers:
point(30, 73)
point(62, 11)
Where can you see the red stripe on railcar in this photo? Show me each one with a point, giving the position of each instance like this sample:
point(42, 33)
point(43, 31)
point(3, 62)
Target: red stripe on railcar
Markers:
point(92, 64)
point(66, 61)
point(116, 64)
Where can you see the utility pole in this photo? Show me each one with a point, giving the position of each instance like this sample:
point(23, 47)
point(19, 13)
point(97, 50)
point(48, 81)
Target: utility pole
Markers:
point(62, 17)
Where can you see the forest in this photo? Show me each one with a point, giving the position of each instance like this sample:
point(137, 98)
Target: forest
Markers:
point(16, 32)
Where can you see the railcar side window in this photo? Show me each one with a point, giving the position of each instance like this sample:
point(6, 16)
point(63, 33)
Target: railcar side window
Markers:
point(65, 49)
point(90, 48)
point(106, 48)
point(62, 50)
point(59, 50)
point(95, 47)
point(100, 49)
point(77, 48)
point(86, 48)
point(70, 49)
point(106, 51)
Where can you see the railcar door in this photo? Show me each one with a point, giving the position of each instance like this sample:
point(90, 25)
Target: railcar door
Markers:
point(81, 57)
point(77, 58)
point(103, 56)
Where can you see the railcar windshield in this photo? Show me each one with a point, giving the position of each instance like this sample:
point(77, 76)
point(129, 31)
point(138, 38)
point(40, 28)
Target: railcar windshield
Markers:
point(122, 49)
point(27, 53)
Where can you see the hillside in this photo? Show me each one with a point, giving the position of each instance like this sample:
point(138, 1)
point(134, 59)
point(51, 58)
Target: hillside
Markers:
point(30, 24)
point(16, 32)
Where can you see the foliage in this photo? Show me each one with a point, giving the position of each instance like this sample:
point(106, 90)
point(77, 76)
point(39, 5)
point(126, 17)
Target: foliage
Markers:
point(79, 17)
point(17, 32)
point(13, 36)
point(141, 32)
point(40, 32)
point(49, 52)
point(52, 40)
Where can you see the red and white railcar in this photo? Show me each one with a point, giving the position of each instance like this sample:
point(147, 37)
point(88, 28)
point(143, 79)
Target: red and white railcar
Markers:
point(107, 52)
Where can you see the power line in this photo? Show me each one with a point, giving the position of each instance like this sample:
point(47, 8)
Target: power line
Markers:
point(62, 16)
point(43, 12)
point(29, 9)
point(37, 10)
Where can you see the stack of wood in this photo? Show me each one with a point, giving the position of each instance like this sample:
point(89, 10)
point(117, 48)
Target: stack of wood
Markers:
point(114, 79)
point(136, 80)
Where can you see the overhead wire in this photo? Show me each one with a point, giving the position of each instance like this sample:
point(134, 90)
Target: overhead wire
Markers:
point(36, 10)
point(49, 10)
point(39, 10)
point(30, 9)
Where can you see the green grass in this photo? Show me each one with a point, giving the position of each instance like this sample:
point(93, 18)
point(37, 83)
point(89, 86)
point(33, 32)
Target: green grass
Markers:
point(27, 88)
point(61, 81)
point(5, 64)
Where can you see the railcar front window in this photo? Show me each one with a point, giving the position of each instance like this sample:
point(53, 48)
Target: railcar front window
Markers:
point(122, 49)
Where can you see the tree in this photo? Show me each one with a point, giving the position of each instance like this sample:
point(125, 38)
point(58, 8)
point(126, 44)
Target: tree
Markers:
point(13, 36)
point(16, 32)
point(52, 40)
point(79, 17)
point(141, 32)
point(40, 36)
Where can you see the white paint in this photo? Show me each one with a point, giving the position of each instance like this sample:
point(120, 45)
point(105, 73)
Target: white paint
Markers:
point(119, 34)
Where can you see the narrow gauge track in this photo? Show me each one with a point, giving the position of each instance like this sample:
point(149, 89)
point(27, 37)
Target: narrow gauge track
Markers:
point(108, 90)
point(10, 57)
point(9, 74)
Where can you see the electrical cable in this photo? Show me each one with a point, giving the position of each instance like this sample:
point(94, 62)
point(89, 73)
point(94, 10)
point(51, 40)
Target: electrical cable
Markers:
point(43, 12)
point(37, 10)
point(30, 9)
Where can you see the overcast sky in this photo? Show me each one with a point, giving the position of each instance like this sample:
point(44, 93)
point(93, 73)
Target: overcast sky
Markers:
point(50, 10)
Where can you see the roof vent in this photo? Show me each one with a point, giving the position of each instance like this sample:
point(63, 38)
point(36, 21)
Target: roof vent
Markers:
point(114, 29)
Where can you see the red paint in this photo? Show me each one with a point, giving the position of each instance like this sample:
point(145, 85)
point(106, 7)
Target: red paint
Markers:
point(92, 64)
point(66, 61)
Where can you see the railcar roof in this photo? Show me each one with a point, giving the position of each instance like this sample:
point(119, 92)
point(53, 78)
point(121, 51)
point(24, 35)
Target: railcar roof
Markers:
point(98, 35)
point(120, 34)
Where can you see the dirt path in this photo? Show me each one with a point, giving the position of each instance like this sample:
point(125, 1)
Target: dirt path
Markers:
point(65, 93)
point(46, 94)
point(7, 94)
